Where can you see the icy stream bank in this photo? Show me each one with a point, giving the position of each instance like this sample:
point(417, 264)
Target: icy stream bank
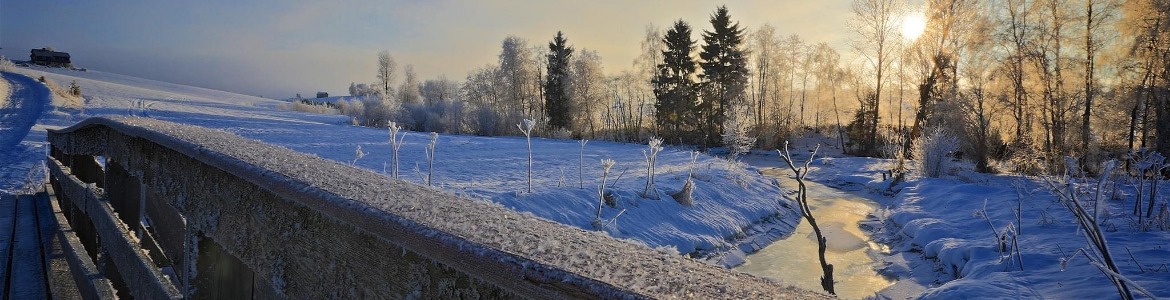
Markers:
point(794, 260)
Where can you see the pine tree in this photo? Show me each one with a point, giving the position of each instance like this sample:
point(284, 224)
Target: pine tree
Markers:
point(674, 88)
point(725, 72)
point(555, 83)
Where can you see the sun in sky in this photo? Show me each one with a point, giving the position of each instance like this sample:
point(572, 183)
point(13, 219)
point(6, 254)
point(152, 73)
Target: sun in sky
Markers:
point(913, 24)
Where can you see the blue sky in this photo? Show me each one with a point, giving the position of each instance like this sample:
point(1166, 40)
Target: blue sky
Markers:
point(279, 48)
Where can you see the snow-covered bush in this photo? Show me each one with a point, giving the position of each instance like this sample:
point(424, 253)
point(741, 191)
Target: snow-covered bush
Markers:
point(683, 196)
point(562, 133)
point(932, 149)
point(395, 144)
point(526, 128)
point(651, 154)
point(736, 138)
point(301, 106)
point(6, 65)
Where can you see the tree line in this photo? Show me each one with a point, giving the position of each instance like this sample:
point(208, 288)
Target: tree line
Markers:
point(1021, 83)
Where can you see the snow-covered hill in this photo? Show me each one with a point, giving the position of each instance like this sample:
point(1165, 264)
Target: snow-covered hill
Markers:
point(479, 168)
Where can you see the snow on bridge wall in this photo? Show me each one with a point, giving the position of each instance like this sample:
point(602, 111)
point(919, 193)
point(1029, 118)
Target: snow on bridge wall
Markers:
point(244, 216)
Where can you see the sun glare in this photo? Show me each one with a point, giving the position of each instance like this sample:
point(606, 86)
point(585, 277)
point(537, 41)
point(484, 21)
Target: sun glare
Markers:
point(913, 25)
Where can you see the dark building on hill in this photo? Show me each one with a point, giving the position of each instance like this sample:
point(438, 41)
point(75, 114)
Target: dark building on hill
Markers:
point(46, 57)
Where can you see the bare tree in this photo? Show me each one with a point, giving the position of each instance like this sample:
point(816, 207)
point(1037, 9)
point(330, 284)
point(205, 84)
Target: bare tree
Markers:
point(802, 197)
point(764, 46)
point(876, 25)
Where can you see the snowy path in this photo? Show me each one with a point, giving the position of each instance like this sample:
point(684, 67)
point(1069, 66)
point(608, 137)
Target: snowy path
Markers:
point(26, 104)
point(19, 157)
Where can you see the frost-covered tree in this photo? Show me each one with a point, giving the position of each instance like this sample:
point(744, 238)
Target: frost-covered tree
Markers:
point(674, 86)
point(556, 89)
point(876, 24)
point(518, 74)
point(587, 86)
point(725, 71)
point(408, 93)
point(386, 69)
point(438, 90)
point(736, 136)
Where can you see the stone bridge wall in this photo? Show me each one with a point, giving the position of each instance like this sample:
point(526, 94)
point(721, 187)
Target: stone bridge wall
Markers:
point(219, 216)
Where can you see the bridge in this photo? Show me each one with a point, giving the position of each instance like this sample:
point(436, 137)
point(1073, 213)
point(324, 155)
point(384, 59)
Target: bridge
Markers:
point(148, 209)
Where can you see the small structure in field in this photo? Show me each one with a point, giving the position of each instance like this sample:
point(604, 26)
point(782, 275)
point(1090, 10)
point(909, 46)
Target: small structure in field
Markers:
point(50, 58)
point(322, 95)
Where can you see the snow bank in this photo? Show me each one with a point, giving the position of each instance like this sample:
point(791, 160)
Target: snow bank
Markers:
point(941, 220)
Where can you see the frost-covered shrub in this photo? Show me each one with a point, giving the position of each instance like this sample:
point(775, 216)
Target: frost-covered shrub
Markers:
point(651, 155)
point(581, 164)
point(395, 144)
point(301, 106)
point(526, 128)
point(354, 108)
point(606, 165)
point(431, 156)
point(683, 196)
point(736, 138)
point(932, 149)
point(6, 65)
point(562, 134)
point(357, 154)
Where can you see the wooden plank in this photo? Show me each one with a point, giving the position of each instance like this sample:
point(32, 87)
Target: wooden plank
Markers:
point(7, 228)
point(28, 271)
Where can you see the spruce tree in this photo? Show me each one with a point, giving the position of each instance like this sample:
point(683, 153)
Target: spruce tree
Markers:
point(674, 88)
point(556, 82)
point(725, 72)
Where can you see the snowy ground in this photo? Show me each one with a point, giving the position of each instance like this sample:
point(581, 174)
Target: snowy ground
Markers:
point(942, 247)
point(730, 203)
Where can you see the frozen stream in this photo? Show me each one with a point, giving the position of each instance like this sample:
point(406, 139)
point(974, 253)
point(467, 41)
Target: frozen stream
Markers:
point(853, 255)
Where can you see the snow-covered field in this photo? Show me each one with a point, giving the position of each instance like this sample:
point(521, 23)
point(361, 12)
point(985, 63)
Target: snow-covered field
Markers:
point(485, 168)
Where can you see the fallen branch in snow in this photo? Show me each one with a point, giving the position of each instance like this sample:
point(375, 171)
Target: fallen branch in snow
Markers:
point(802, 197)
